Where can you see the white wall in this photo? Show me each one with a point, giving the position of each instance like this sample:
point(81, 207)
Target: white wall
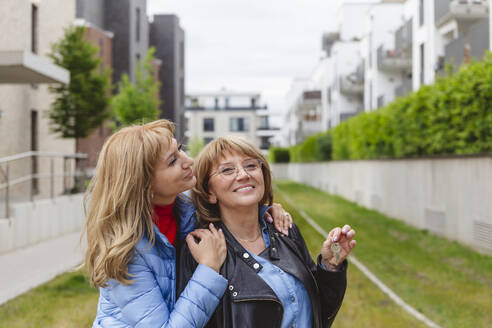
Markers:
point(17, 101)
point(450, 197)
point(31, 223)
point(382, 22)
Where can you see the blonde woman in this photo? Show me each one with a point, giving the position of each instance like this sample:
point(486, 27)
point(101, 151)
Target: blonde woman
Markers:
point(272, 280)
point(135, 217)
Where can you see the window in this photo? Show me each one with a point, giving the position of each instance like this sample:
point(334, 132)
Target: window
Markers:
point(208, 124)
point(380, 101)
point(263, 123)
point(181, 55)
point(328, 96)
point(239, 124)
point(34, 147)
point(34, 29)
point(137, 32)
point(421, 12)
point(422, 64)
point(216, 100)
point(207, 140)
point(227, 102)
point(182, 91)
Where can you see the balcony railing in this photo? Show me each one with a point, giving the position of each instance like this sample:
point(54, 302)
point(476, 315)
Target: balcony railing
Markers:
point(21, 171)
point(404, 37)
point(463, 11)
point(390, 60)
point(351, 86)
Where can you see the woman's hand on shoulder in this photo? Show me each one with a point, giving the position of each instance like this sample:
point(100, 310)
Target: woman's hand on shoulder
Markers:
point(281, 219)
point(211, 249)
point(342, 236)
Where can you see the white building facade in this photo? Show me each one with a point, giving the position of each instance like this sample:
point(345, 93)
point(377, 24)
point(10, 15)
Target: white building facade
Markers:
point(214, 114)
point(384, 50)
point(28, 32)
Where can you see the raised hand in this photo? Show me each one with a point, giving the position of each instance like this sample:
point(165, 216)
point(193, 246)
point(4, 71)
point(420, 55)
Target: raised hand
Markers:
point(211, 250)
point(281, 219)
point(341, 236)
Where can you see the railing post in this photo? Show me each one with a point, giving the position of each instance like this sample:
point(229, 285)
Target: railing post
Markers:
point(52, 182)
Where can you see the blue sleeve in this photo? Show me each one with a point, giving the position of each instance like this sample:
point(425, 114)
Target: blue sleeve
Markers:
point(187, 218)
point(142, 303)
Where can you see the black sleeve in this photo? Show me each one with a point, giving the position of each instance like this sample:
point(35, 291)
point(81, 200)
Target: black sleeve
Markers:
point(185, 267)
point(332, 285)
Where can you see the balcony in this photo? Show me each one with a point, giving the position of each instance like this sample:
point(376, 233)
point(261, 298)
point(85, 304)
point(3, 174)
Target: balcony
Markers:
point(463, 11)
point(460, 51)
point(352, 84)
point(309, 101)
point(404, 38)
point(390, 60)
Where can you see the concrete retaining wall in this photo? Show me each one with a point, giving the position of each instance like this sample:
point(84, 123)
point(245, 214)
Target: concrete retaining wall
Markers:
point(451, 197)
point(31, 223)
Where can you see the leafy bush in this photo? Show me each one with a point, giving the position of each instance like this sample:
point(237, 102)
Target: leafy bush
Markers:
point(452, 116)
point(278, 155)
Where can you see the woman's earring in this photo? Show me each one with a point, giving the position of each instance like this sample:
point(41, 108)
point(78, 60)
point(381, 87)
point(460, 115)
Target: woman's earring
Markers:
point(151, 195)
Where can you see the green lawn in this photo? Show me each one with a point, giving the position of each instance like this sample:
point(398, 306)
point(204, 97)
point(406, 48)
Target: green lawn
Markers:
point(451, 284)
point(66, 301)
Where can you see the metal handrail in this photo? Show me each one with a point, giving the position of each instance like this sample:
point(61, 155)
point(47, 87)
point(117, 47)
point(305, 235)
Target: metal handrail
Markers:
point(30, 177)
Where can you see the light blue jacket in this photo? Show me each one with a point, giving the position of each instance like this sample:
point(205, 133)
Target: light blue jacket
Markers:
point(151, 300)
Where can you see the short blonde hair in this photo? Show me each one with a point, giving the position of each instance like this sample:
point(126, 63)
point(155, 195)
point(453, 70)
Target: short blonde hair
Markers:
point(120, 210)
point(210, 156)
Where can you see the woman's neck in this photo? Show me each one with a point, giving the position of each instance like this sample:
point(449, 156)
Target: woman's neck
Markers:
point(161, 201)
point(242, 222)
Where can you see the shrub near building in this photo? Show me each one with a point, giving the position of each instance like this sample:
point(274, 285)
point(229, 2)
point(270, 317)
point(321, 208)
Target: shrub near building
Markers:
point(452, 116)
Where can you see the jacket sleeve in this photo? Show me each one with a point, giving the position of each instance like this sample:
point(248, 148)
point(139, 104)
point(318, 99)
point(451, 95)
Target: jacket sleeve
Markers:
point(142, 303)
point(332, 285)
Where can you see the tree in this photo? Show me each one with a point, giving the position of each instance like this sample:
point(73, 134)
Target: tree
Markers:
point(139, 102)
point(83, 104)
point(195, 145)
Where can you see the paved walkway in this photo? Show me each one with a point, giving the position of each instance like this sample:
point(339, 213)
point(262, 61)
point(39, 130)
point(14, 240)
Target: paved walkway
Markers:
point(23, 269)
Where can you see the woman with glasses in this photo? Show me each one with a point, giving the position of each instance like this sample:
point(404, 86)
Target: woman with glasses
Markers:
point(272, 280)
point(136, 215)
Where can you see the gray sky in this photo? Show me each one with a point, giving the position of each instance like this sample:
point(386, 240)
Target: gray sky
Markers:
point(250, 45)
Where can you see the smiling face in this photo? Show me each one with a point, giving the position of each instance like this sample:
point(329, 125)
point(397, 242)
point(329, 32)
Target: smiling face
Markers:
point(172, 173)
point(243, 188)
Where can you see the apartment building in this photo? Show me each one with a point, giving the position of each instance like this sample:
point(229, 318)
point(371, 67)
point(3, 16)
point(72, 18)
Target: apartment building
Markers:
point(168, 38)
point(103, 40)
point(28, 32)
point(383, 50)
point(214, 114)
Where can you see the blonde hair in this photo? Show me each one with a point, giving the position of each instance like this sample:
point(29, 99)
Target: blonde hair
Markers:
point(118, 204)
point(208, 157)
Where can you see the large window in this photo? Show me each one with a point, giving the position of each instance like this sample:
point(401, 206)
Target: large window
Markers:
point(239, 124)
point(422, 63)
point(137, 32)
point(208, 124)
point(34, 29)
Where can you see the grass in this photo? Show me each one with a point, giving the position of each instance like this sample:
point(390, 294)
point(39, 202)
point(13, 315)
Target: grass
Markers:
point(66, 301)
point(449, 283)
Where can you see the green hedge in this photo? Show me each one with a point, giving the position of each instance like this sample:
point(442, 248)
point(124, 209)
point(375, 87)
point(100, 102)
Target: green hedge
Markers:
point(278, 155)
point(452, 116)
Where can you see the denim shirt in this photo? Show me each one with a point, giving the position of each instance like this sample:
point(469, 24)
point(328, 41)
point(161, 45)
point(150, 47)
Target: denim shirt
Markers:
point(290, 291)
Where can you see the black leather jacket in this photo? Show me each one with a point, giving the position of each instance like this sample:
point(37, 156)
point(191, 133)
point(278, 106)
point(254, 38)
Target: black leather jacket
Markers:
point(249, 301)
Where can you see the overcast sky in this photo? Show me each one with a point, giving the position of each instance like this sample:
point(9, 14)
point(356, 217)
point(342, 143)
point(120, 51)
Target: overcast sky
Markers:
point(250, 45)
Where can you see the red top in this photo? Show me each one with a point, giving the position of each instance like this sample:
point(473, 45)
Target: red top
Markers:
point(165, 221)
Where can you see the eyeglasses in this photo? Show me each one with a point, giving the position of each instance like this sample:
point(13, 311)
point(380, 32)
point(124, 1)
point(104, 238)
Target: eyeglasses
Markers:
point(230, 171)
